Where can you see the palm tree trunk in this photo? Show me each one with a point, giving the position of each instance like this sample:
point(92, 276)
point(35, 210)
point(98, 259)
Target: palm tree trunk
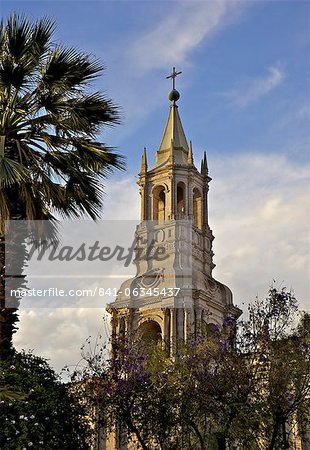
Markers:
point(7, 318)
point(12, 260)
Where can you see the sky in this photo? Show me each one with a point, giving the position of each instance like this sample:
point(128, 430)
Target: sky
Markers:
point(245, 99)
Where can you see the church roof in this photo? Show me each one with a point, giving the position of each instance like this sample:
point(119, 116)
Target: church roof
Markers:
point(174, 131)
point(173, 142)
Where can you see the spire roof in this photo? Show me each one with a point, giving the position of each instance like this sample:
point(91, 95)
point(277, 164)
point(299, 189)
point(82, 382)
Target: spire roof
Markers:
point(173, 138)
point(204, 165)
point(173, 148)
point(174, 130)
point(190, 157)
point(143, 168)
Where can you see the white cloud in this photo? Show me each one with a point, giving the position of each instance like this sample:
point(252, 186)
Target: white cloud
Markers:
point(253, 89)
point(58, 334)
point(122, 200)
point(294, 114)
point(259, 212)
point(184, 29)
point(148, 55)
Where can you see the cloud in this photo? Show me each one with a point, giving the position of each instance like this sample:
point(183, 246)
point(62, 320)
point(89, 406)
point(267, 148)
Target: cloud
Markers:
point(122, 200)
point(253, 89)
point(296, 114)
point(184, 29)
point(170, 38)
point(58, 334)
point(259, 212)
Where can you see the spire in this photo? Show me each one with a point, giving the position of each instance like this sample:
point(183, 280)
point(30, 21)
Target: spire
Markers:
point(201, 166)
point(174, 133)
point(190, 158)
point(143, 169)
point(174, 130)
point(204, 165)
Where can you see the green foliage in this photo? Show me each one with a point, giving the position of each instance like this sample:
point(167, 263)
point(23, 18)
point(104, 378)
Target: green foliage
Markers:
point(217, 391)
point(52, 159)
point(37, 411)
point(50, 122)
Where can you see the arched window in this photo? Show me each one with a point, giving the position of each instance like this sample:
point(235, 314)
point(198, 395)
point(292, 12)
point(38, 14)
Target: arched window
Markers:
point(181, 199)
point(150, 332)
point(197, 210)
point(159, 203)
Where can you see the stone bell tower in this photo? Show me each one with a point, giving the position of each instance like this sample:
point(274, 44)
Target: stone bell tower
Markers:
point(175, 295)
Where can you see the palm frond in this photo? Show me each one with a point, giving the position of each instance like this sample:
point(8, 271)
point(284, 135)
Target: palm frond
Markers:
point(66, 69)
point(53, 160)
point(11, 172)
point(18, 34)
point(42, 32)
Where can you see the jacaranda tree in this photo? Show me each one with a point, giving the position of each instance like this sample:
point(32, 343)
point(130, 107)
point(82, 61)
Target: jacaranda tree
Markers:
point(250, 391)
point(52, 161)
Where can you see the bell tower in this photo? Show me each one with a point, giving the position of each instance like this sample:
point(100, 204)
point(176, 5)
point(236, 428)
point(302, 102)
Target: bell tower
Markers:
point(173, 294)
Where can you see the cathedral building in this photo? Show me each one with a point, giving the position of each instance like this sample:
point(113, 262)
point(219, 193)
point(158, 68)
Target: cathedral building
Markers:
point(175, 295)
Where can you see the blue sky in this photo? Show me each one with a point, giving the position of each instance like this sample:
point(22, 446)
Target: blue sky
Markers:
point(245, 82)
point(245, 99)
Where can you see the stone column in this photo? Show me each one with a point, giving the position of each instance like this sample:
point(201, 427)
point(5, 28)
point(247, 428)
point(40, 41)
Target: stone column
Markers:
point(166, 336)
point(171, 207)
point(180, 323)
point(173, 330)
point(150, 214)
point(143, 211)
point(189, 323)
point(197, 314)
point(190, 197)
point(185, 325)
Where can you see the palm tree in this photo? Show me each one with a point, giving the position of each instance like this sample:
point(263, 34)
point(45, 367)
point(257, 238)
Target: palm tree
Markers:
point(51, 161)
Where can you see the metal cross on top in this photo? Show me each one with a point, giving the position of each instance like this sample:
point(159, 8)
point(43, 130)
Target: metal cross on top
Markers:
point(173, 76)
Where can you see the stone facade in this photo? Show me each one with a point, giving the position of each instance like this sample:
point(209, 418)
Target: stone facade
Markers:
point(174, 216)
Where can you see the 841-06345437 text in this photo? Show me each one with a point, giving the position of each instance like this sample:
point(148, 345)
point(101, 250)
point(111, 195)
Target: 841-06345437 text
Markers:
point(96, 291)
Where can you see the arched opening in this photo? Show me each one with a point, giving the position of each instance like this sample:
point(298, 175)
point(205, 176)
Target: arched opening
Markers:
point(150, 332)
point(159, 203)
point(181, 199)
point(197, 210)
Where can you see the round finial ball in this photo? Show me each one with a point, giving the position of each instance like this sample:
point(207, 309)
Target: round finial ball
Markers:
point(174, 95)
